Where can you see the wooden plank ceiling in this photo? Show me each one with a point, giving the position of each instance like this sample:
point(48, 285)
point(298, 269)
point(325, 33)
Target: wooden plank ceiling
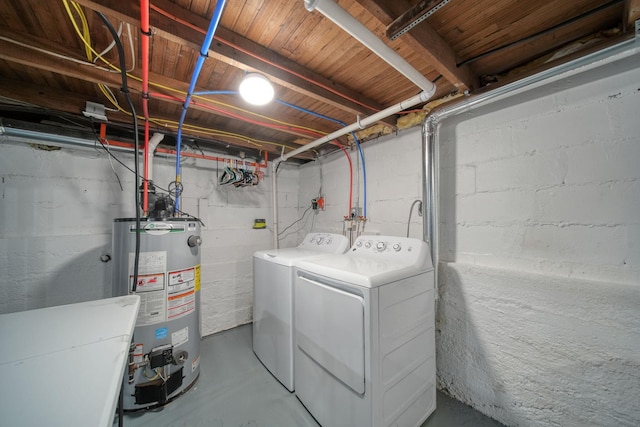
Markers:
point(461, 45)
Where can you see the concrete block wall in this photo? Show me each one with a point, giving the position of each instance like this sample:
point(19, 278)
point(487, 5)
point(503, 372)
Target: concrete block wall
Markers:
point(540, 254)
point(56, 213)
point(57, 210)
point(393, 167)
point(539, 232)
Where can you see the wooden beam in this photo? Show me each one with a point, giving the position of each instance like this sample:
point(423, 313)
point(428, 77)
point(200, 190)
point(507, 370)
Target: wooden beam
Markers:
point(56, 100)
point(631, 15)
point(88, 72)
point(413, 17)
point(426, 42)
point(242, 53)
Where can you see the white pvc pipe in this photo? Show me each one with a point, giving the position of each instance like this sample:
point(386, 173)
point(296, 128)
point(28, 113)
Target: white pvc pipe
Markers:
point(408, 103)
point(361, 33)
point(154, 141)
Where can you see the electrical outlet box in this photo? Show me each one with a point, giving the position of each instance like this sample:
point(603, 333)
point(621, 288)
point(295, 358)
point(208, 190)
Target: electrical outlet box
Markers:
point(317, 204)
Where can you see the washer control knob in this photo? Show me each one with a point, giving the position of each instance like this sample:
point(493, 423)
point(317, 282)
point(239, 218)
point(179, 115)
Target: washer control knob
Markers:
point(194, 241)
point(359, 244)
point(397, 247)
point(381, 246)
point(319, 240)
point(367, 245)
point(329, 241)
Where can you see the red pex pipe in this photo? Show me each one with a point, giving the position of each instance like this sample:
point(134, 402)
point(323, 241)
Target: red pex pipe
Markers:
point(103, 137)
point(272, 126)
point(260, 58)
point(239, 117)
point(146, 35)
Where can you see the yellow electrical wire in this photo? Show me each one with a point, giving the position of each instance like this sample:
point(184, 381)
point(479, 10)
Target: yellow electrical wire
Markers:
point(160, 86)
point(85, 27)
point(85, 36)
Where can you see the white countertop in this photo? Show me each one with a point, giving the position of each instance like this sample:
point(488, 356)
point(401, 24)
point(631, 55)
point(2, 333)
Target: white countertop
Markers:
point(63, 365)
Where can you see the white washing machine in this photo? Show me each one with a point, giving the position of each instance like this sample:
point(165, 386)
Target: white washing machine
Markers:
point(273, 275)
point(365, 338)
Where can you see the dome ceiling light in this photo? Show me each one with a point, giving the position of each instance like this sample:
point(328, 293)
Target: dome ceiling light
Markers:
point(256, 89)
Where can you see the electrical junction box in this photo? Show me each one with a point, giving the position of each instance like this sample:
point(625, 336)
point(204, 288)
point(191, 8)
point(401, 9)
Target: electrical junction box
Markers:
point(161, 356)
point(317, 203)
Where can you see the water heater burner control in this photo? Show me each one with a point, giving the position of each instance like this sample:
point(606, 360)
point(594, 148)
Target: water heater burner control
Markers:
point(194, 241)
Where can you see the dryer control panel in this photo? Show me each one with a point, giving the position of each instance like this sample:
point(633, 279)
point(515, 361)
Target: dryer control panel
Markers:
point(325, 242)
point(390, 247)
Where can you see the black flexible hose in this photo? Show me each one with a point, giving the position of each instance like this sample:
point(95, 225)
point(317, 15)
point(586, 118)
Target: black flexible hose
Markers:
point(125, 91)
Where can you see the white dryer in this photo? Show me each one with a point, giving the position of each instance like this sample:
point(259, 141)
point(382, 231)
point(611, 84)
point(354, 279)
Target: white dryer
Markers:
point(365, 338)
point(273, 276)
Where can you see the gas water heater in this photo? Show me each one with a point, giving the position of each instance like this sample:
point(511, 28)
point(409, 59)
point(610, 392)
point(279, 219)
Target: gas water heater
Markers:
point(164, 358)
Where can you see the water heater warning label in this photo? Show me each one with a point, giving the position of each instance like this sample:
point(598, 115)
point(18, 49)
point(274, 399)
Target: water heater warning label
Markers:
point(181, 297)
point(151, 286)
point(149, 282)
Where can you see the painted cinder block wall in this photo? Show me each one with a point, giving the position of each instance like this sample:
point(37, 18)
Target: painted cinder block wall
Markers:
point(540, 250)
point(539, 231)
point(56, 214)
point(393, 165)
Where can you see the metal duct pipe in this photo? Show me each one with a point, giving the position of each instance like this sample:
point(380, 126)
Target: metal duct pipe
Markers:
point(429, 188)
point(9, 133)
point(274, 194)
point(361, 124)
point(432, 122)
point(430, 193)
point(361, 33)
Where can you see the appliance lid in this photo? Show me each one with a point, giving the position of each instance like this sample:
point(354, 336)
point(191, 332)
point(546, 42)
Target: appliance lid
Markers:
point(373, 261)
point(313, 244)
point(360, 270)
point(287, 256)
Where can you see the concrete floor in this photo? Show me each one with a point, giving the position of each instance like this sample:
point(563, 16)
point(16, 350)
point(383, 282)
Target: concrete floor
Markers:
point(234, 389)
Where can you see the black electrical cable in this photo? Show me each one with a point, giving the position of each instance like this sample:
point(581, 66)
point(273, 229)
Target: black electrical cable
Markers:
point(125, 90)
point(295, 222)
point(114, 157)
point(120, 405)
point(157, 187)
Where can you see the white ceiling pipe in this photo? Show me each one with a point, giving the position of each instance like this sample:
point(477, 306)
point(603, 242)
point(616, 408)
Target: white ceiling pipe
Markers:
point(361, 33)
point(361, 124)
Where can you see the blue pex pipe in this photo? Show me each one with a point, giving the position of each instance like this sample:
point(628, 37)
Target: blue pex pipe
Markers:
point(217, 92)
point(364, 169)
point(213, 25)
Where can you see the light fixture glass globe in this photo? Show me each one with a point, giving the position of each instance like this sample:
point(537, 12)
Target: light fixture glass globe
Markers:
point(256, 89)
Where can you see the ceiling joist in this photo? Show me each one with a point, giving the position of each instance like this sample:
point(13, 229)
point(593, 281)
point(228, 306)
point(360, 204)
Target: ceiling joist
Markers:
point(85, 71)
point(631, 14)
point(242, 53)
point(425, 41)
